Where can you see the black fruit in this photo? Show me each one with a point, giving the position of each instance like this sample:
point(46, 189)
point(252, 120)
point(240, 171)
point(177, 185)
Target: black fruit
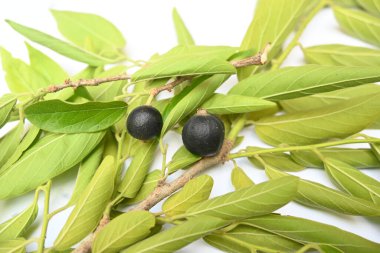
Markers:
point(203, 135)
point(144, 122)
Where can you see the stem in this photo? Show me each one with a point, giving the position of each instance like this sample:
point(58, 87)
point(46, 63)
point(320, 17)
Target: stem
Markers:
point(237, 127)
point(164, 149)
point(55, 212)
point(45, 222)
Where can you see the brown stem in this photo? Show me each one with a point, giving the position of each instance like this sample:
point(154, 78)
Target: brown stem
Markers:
point(258, 59)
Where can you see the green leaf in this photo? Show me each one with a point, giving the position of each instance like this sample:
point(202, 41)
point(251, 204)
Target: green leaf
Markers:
point(138, 169)
point(90, 32)
point(226, 245)
point(13, 246)
point(60, 46)
point(61, 117)
point(316, 195)
point(372, 6)
point(314, 126)
point(10, 141)
point(183, 35)
point(342, 55)
point(188, 61)
point(181, 159)
point(255, 200)
point(239, 179)
point(90, 206)
point(7, 102)
point(358, 24)
point(177, 237)
point(353, 181)
point(123, 231)
point(230, 104)
point(273, 22)
point(358, 158)
point(150, 183)
point(348, 3)
point(293, 82)
point(194, 192)
point(311, 232)
point(190, 99)
point(63, 150)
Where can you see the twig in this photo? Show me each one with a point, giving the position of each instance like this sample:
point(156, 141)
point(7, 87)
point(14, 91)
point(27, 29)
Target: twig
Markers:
point(258, 59)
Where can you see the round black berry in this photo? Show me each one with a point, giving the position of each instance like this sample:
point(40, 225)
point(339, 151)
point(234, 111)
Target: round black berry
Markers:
point(203, 135)
point(144, 122)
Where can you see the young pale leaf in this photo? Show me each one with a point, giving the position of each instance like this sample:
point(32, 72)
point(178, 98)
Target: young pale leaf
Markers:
point(61, 117)
point(177, 237)
point(10, 141)
point(13, 246)
point(63, 150)
point(353, 181)
point(181, 159)
point(150, 183)
point(90, 206)
point(334, 121)
point(358, 24)
point(138, 169)
point(239, 179)
point(60, 46)
point(311, 232)
point(183, 35)
point(316, 195)
point(195, 191)
point(230, 104)
point(348, 3)
point(90, 32)
point(255, 200)
point(372, 6)
point(294, 82)
point(123, 231)
point(7, 102)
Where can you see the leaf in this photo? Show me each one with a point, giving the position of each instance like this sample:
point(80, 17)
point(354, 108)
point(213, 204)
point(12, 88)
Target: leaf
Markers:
point(306, 231)
point(85, 29)
point(273, 22)
point(10, 141)
point(177, 237)
point(181, 159)
point(353, 181)
point(341, 55)
point(150, 183)
point(60, 46)
point(255, 200)
point(194, 192)
point(348, 3)
point(63, 150)
point(13, 246)
point(372, 6)
point(123, 231)
point(358, 24)
point(293, 82)
point(230, 104)
point(239, 179)
point(316, 195)
point(7, 102)
point(314, 126)
point(62, 117)
point(138, 169)
point(358, 158)
point(190, 99)
point(16, 226)
point(183, 35)
point(226, 245)
point(90, 206)
point(185, 63)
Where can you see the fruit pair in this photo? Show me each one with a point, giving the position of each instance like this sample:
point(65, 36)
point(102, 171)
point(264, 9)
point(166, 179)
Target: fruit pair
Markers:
point(202, 135)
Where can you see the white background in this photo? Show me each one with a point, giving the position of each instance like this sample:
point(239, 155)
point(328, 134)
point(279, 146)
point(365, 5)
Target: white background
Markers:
point(148, 28)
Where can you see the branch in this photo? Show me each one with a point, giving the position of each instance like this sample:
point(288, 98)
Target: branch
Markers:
point(258, 59)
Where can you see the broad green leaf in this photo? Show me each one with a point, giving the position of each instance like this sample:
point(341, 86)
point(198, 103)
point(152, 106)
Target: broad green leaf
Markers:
point(138, 169)
point(13, 246)
point(358, 24)
point(16, 226)
point(150, 183)
point(239, 179)
point(177, 237)
point(353, 181)
point(10, 141)
point(63, 150)
point(317, 195)
point(188, 61)
point(375, 147)
point(358, 158)
point(194, 192)
point(61, 117)
point(293, 82)
point(183, 35)
point(60, 46)
point(314, 126)
point(348, 3)
point(341, 55)
point(123, 231)
point(181, 159)
point(7, 102)
point(230, 104)
point(90, 206)
point(311, 232)
point(273, 22)
point(90, 32)
point(226, 245)
point(372, 6)
point(255, 200)
point(190, 99)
